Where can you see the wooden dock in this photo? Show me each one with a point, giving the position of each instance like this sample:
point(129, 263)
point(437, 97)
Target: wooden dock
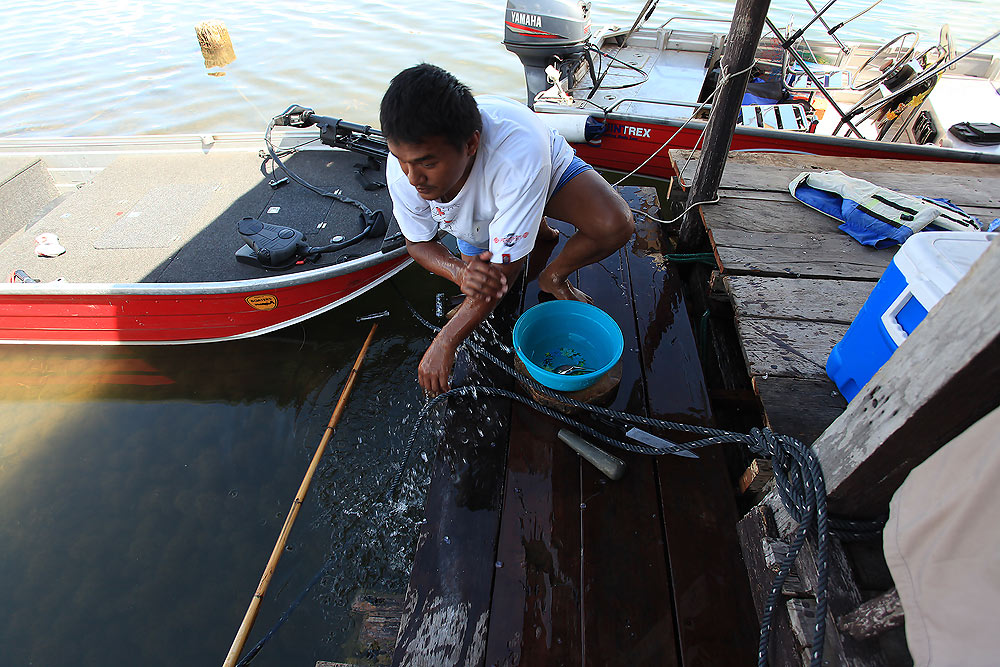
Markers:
point(529, 556)
point(795, 281)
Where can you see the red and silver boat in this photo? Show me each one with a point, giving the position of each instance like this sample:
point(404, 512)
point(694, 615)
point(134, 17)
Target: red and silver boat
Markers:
point(174, 239)
point(651, 86)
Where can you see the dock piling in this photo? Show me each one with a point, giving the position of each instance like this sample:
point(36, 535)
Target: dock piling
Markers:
point(741, 46)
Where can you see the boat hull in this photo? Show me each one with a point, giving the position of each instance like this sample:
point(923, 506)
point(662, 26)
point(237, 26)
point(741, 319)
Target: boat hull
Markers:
point(165, 314)
point(629, 143)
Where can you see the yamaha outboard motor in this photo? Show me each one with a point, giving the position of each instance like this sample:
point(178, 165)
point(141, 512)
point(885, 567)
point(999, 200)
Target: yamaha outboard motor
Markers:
point(547, 32)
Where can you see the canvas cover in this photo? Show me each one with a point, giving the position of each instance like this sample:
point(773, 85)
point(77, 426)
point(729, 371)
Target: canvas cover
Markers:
point(942, 545)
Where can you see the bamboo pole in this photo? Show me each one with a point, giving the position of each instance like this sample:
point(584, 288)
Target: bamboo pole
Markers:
point(279, 546)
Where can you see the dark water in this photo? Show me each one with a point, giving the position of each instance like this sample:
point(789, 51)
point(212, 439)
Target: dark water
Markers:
point(142, 489)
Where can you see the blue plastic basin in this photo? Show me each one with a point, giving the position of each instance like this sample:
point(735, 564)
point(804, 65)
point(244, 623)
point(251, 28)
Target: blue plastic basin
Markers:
point(556, 333)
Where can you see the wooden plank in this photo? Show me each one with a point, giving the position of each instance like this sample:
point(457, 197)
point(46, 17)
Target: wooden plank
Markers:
point(768, 215)
point(797, 255)
point(963, 183)
point(801, 408)
point(942, 379)
point(753, 529)
point(667, 347)
point(537, 535)
point(637, 628)
point(448, 597)
point(535, 612)
point(842, 596)
point(788, 348)
point(837, 301)
point(715, 617)
point(873, 617)
point(757, 474)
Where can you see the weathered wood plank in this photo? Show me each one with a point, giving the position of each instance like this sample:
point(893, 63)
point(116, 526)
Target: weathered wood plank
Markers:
point(837, 301)
point(788, 348)
point(752, 530)
point(796, 255)
point(842, 596)
point(874, 616)
point(799, 407)
point(448, 597)
point(781, 214)
point(768, 215)
point(943, 378)
point(757, 474)
point(964, 184)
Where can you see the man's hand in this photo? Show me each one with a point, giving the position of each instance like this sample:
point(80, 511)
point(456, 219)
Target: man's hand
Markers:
point(435, 367)
point(483, 280)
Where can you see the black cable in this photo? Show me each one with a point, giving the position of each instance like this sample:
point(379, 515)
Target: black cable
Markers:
point(645, 75)
point(298, 179)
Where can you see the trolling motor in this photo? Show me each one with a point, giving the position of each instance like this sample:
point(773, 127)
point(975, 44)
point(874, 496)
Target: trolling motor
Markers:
point(336, 132)
point(276, 247)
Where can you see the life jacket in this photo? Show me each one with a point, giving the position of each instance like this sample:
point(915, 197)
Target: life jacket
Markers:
point(873, 215)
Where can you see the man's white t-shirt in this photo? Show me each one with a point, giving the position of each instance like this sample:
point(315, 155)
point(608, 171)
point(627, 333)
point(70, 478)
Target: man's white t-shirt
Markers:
point(516, 168)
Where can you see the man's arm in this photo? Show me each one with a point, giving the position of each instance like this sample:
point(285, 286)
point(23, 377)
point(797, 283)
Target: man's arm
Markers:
point(484, 285)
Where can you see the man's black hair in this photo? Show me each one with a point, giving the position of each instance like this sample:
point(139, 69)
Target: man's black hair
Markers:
point(425, 101)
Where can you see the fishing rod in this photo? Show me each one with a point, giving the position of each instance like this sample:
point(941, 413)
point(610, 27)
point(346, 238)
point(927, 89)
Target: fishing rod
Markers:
point(279, 546)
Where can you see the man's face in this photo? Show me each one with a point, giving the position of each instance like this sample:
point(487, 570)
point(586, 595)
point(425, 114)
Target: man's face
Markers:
point(434, 166)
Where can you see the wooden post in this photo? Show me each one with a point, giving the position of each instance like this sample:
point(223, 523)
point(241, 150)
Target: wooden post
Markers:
point(741, 46)
point(216, 47)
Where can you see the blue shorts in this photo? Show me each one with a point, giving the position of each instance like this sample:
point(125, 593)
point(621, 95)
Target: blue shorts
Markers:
point(575, 168)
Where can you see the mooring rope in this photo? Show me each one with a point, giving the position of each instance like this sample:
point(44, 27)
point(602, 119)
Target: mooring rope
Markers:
point(797, 473)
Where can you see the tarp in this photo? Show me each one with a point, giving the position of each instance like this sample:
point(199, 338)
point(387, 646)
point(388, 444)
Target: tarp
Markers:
point(942, 545)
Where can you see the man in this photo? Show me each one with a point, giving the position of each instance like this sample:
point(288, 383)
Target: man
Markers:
point(486, 170)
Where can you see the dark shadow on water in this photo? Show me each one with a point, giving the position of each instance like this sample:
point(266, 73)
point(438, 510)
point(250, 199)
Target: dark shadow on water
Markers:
point(142, 489)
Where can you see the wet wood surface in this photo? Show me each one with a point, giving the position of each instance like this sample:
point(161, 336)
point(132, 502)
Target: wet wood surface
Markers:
point(584, 570)
point(446, 609)
point(715, 618)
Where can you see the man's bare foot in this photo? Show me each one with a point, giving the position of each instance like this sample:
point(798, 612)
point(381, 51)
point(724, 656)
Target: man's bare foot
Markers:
point(561, 289)
point(547, 234)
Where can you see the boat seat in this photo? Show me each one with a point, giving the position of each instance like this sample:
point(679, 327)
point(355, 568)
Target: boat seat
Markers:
point(774, 117)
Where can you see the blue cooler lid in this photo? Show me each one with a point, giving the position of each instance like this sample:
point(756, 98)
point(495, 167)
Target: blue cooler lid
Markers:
point(934, 262)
